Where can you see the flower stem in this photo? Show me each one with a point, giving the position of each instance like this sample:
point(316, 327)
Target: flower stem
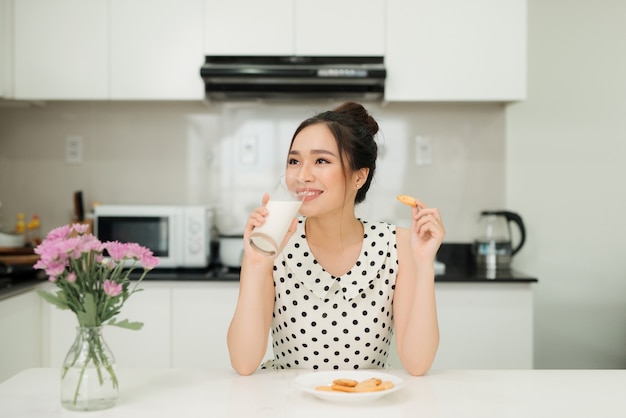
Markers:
point(89, 343)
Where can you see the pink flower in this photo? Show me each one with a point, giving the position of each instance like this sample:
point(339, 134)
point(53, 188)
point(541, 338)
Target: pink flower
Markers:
point(111, 288)
point(116, 250)
point(58, 233)
point(80, 228)
point(53, 267)
point(78, 257)
point(120, 251)
point(149, 261)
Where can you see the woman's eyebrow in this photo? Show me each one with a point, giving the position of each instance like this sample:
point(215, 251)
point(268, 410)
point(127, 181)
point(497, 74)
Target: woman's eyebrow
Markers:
point(313, 151)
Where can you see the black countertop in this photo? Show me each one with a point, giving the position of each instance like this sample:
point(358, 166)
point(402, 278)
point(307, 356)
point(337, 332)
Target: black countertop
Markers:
point(452, 274)
point(457, 258)
point(461, 267)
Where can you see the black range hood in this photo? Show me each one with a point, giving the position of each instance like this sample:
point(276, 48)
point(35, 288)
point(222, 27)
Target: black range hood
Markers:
point(293, 77)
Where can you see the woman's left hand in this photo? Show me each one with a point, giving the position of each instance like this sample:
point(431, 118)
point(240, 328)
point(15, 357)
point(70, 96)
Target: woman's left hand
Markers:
point(427, 231)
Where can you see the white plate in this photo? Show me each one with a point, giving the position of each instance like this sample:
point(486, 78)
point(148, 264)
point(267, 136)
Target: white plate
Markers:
point(308, 382)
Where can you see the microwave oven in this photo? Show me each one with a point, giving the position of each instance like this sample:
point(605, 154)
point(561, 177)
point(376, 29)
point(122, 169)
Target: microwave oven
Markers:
point(179, 235)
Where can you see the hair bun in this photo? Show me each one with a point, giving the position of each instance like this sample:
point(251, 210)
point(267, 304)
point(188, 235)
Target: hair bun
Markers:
point(360, 114)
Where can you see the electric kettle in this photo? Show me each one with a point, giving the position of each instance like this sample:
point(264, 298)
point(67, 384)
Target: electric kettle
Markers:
point(493, 246)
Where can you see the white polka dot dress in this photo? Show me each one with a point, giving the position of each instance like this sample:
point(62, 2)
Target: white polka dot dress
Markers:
point(323, 322)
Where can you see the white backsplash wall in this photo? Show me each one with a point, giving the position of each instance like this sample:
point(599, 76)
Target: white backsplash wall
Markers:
point(228, 155)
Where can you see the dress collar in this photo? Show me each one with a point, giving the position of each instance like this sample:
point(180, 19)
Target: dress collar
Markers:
point(313, 276)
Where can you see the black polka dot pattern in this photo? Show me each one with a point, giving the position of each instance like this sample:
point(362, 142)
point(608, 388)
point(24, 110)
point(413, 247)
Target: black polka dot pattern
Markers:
point(323, 322)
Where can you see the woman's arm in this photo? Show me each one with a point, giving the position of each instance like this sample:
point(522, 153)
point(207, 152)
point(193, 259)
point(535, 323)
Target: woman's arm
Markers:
point(249, 329)
point(414, 305)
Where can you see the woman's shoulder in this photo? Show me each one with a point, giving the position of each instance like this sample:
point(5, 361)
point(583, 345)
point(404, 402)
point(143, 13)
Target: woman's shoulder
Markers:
point(370, 223)
point(384, 224)
point(395, 233)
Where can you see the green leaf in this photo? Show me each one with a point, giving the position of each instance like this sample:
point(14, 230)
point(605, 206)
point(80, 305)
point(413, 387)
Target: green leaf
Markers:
point(88, 317)
point(125, 323)
point(53, 299)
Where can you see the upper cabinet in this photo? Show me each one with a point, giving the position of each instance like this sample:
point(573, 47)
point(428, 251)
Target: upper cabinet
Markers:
point(61, 49)
point(340, 28)
point(156, 50)
point(6, 49)
point(456, 50)
point(295, 27)
point(435, 50)
point(108, 49)
point(248, 27)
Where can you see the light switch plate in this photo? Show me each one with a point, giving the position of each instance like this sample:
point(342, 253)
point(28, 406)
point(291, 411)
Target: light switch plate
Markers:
point(248, 149)
point(73, 149)
point(423, 150)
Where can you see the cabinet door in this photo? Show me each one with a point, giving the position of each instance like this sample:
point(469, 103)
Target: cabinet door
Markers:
point(148, 347)
point(440, 50)
point(201, 314)
point(340, 28)
point(482, 326)
point(20, 334)
point(61, 49)
point(156, 49)
point(248, 27)
point(6, 49)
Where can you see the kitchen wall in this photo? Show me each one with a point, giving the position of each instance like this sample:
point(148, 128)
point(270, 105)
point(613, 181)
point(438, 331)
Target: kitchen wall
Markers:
point(566, 148)
point(192, 153)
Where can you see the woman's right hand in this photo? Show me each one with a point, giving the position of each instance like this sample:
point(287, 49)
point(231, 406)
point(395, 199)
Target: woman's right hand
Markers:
point(256, 219)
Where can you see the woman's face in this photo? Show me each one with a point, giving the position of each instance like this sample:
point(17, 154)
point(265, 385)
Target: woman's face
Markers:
point(315, 167)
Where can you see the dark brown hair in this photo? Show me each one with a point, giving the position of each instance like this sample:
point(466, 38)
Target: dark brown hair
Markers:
point(353, 129)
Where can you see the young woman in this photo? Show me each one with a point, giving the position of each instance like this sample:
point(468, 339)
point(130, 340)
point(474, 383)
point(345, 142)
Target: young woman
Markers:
point(334, 294)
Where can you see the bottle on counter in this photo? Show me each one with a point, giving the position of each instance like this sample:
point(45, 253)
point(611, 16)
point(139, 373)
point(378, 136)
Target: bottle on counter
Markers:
point(20, 227)
point(34, 231)
point(20, 223)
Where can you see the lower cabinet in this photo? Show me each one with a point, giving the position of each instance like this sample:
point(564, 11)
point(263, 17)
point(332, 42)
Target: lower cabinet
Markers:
point(482, 326)
point(200, 318)
point(201, 314)
point(20, 334)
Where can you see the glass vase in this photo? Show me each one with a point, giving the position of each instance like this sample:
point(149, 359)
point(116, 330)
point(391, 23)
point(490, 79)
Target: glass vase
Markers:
point(88, 377)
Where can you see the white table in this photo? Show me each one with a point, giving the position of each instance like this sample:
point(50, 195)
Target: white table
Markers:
point(180, 393)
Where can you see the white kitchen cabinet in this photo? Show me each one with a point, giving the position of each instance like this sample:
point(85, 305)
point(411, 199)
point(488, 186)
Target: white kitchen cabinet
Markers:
point(108, 50)
point(6, 49)
point(483, 326)
point(61, 49)
point(456, 50)
point(340, 28)
point(201, 314)
point(248, 27)
point(148, 347)
point(20, 334)
point(156, 50)
point(295, 27)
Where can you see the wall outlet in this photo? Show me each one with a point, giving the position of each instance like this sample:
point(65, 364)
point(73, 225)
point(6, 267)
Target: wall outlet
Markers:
point(73, 149)
point(423, 150)
point(248, 149)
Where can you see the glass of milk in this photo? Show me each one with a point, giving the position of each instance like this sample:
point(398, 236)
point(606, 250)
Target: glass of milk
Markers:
point(282, 207)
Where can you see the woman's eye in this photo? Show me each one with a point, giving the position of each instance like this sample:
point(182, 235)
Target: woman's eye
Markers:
point(321, 161)
point(292, 161)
